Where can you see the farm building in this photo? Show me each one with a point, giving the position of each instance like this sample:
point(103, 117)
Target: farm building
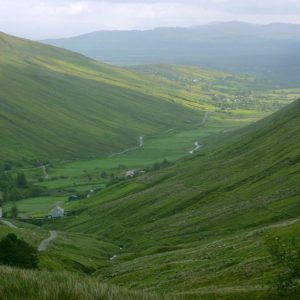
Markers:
point(56, 212)
point(73, 197)
point(130, 173)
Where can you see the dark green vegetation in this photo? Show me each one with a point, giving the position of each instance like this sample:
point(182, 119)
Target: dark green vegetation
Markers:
point(16, 187)
point(268, 50)
point(285, 251)
point(200, 226)
point(16, 252)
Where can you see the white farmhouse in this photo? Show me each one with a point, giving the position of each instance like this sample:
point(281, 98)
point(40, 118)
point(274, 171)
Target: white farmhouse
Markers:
point(130, 173)
point(56, 212)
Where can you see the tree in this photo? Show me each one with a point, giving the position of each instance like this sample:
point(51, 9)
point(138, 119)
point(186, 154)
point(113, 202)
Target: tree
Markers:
point(18, 253)
point(14, 211)
point(285, 252)
point(103, 174)
point(7, 167)
point(21, 181)
point(14, 195)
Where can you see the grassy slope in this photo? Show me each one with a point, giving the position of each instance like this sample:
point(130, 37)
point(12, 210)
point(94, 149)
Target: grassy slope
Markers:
point(199, 226)
point(233, 101)
point(56, 103)
point(20, 285)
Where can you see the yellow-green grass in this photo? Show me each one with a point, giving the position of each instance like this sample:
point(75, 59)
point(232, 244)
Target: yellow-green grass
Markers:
point(36, 285)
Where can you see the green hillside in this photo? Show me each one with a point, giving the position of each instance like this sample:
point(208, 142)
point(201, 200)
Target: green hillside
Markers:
point(58, 104)
point(199, 227)
point(191, 223)
point(18, 284)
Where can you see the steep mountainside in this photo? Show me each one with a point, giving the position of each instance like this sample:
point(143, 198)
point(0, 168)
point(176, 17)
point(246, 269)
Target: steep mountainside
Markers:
point(59, 104)
point(200, 226)
point(269, 50)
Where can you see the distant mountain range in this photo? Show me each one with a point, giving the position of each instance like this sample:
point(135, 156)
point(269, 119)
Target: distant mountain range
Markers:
point(268, 50)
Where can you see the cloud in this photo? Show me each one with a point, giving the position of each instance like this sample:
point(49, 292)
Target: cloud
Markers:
point(56, 18)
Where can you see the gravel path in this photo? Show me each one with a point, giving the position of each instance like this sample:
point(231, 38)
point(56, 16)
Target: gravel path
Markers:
point(45, 173)
point(9, 224)
point(140, 145)
point(197, 145)
point(45, 243)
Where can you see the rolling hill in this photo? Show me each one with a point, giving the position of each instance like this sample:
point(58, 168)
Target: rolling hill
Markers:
point(266, 50)
point(56, 104)
point(59, 104)
point(199, 227)
point(194, 228)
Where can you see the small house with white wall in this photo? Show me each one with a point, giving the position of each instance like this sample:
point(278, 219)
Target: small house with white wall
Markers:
point(130, 173)
point(56, 212)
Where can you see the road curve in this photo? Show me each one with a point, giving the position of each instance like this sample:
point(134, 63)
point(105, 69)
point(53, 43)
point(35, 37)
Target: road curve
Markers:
point(45, 243)
point(9, 224)
point(140, 145)
point(45, 173)
point(197, 147)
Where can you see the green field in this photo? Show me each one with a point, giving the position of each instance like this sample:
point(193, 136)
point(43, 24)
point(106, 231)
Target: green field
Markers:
point(84, 175)
point(38, 206)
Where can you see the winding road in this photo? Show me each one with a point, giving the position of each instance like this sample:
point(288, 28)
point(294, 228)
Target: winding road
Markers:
point(9, 224)
point(45, 243)
point(140, 145)
point(197, 145)
point(207, 113)
point(44, 170)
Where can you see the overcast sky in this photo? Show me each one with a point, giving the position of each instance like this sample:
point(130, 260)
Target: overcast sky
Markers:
point(38, 19)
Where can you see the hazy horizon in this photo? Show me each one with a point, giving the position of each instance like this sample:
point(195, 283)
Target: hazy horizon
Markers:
point(44, 19)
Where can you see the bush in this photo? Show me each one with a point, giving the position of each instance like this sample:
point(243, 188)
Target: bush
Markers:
point(18, 253)
point(21, 181)
point(285, 251)
point(35, 191)
point(14, 211)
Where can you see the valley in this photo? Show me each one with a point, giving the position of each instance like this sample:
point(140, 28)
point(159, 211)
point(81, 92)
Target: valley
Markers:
point(167, 181)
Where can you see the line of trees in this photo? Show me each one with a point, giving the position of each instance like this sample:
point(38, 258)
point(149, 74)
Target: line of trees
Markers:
point(16, 187)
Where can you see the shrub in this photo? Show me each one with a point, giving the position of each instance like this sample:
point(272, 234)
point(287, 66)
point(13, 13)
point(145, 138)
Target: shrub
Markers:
point(21, 181)
point(285, 251)
point(18, 253)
